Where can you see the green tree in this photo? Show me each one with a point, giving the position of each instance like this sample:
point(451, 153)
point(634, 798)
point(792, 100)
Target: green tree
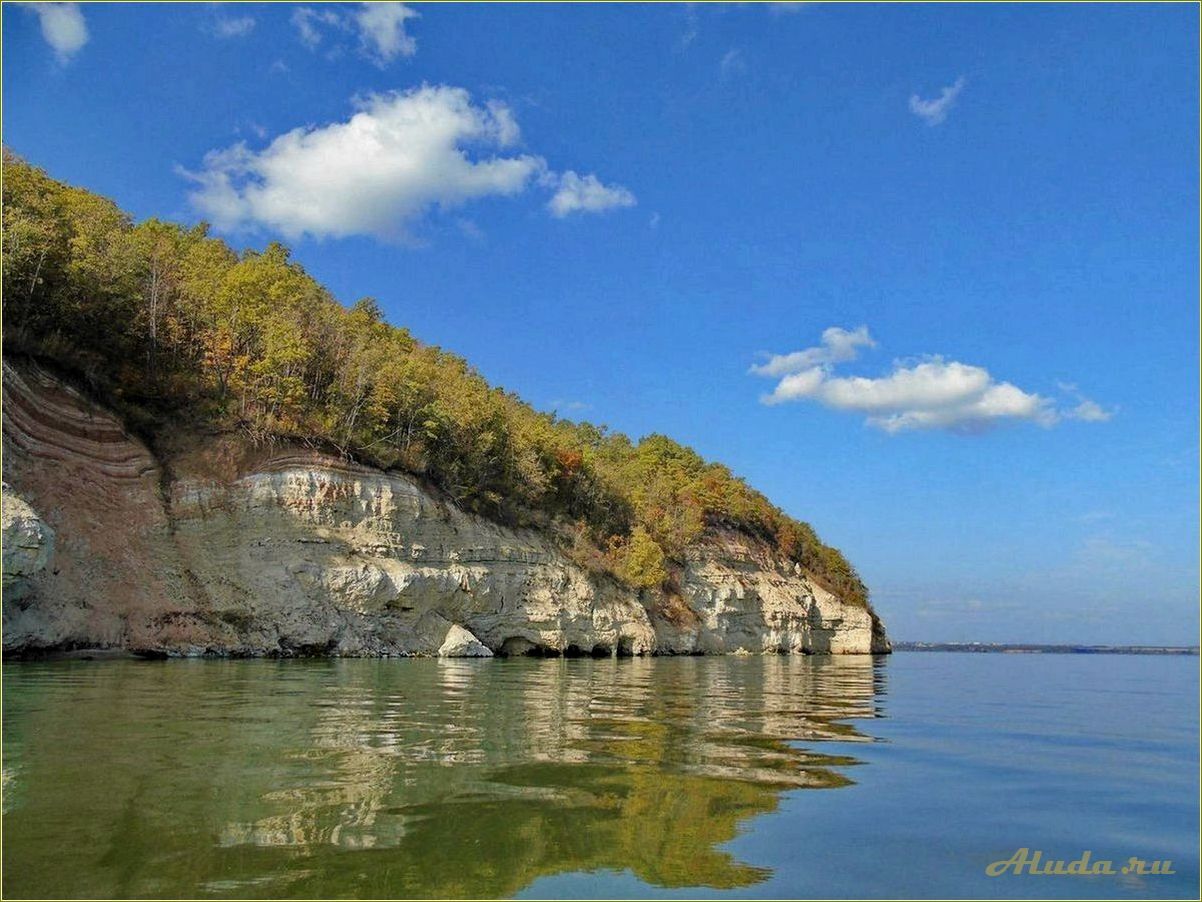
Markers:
point(640, 560)
point(175, 329)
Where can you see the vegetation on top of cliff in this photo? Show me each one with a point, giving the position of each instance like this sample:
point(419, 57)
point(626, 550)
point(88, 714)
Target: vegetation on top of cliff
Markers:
point(169, 324)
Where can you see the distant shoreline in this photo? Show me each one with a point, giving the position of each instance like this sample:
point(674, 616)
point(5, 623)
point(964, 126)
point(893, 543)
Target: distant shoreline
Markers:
point(1036, 649)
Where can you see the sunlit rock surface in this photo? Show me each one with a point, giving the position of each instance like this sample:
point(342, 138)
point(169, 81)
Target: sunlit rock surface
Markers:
point(459, 643)
point(27, 543)
point(219, 548)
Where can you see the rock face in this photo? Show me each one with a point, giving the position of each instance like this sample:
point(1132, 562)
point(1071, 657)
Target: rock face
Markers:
point(220, 548)
point(27, 542)
point(459, 643)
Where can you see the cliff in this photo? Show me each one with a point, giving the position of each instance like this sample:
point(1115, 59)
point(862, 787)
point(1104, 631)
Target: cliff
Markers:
point(218, 546)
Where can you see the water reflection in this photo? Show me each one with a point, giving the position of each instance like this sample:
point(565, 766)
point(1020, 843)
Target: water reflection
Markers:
point(411, 778)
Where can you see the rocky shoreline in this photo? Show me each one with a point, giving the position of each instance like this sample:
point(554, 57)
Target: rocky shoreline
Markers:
point(221, 548)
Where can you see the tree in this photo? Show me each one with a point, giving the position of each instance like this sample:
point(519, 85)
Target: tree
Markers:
point(172, 327)
point(640, 560)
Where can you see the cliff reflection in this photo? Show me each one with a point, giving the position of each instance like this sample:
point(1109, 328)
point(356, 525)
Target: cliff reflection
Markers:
point(487, 775)
point(456, 778)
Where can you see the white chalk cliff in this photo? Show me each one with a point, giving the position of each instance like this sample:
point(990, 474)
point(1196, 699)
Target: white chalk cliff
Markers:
point(221, 548)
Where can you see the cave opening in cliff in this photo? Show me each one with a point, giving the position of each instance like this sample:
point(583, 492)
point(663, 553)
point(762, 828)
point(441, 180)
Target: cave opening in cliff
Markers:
point(520, 646)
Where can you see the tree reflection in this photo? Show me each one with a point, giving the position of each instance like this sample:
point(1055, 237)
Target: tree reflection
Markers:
point(413, 778)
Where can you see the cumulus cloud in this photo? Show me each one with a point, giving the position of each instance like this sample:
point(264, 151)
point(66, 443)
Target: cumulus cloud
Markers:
point(63, 27)
point(935, 110)
point(576, 194)
point(240, 27)
point(380, 28)
point(932, 393)
point(396, 158)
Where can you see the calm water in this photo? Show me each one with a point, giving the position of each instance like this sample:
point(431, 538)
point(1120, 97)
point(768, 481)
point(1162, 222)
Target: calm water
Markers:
point(693, 777)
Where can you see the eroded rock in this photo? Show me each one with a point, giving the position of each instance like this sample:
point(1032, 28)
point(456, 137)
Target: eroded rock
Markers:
point(460, 643)
point(285, 551)
point(28, 544)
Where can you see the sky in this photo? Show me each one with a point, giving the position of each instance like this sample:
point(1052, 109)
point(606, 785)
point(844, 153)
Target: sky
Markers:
point(927, 276)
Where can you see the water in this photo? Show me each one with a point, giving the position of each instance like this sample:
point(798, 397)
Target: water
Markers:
point(691, 777)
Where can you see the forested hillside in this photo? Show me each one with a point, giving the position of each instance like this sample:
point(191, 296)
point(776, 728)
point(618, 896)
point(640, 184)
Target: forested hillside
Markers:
point(174, 329)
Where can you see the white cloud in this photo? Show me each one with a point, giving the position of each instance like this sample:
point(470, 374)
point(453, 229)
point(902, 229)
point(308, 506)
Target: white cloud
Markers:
point(1085, 409)
point(932, 393)
point(382, 31)
point(380, 28)
point(307, 22)
point(935, 110)
point(935, 394)
point(586, 194)
point(240, 27)
point(1090, 412)
point(838, 345)
point(63, 27)
point(396, 158)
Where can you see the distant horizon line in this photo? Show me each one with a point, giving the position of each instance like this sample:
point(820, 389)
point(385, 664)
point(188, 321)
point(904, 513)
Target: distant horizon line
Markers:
point(1046, 648)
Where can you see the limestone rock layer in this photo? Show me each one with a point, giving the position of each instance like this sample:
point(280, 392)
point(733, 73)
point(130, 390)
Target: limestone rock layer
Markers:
point(220, 548)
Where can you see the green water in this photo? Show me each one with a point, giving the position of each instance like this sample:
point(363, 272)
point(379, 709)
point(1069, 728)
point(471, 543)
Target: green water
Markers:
point(752, 776)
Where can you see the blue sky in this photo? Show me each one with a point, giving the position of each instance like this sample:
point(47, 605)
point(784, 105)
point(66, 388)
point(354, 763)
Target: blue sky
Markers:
point(618, 211)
